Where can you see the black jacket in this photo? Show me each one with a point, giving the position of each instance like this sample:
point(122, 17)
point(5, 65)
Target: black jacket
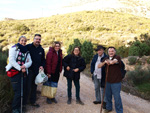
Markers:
point(37, 56)
point(73, 62)
point(103, 68)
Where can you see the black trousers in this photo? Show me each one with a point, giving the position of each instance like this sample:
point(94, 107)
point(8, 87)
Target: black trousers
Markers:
point(16, 84)
point(31, 88)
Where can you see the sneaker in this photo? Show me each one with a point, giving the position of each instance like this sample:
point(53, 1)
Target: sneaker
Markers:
point(48, 101)
point(104, 105)
point(78, 101)
point(107, 111)
point(97, 102)
point(54, 100)
point(69, 101)
point(35, 105)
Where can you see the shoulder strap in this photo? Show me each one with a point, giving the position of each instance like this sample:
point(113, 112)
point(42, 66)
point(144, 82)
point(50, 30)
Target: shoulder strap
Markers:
point(26, 55)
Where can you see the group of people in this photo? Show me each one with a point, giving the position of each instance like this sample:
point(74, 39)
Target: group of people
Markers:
point(27, 60)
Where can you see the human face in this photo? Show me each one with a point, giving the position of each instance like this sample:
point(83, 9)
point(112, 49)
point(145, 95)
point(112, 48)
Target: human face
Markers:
point(76, 51)
point(100, 52)
point(37, 41)
point(111, 52)
point(57, 47)
point(23, 41)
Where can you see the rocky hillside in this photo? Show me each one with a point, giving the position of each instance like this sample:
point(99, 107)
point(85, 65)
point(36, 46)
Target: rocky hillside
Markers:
point(135, 7)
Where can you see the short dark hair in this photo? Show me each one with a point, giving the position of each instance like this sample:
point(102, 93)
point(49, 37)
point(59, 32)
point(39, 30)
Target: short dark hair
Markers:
point(111, 47)
point(37, 35)
point(74, 49)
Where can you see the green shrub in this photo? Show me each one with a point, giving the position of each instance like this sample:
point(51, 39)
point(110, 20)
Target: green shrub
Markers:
point(139, 75)
point(139, 49)
point(148, 60)
point(3, 61)
point(87, 51)
point(6, 94)
point(132, 60)
point(123, 51)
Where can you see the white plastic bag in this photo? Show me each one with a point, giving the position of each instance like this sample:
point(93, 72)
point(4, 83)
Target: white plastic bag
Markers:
point(41, 77)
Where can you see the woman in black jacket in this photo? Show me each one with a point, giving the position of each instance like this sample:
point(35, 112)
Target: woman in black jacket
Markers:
point(73, 65)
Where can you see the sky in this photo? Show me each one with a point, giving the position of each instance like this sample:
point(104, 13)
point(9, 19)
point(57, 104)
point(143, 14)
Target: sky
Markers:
point(27, 9)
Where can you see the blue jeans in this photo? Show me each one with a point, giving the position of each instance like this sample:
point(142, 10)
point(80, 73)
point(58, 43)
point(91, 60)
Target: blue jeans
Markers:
point(77, 86)
point(114, 89)
point(98, 92)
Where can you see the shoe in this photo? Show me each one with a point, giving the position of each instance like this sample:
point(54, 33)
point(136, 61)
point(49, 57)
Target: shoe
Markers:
point(35, 105)
point(48, 101)
point(104, 105)
point(78, 101)
point(69, 101)
point(97, 102)
point(107, 111)
point(54, 100)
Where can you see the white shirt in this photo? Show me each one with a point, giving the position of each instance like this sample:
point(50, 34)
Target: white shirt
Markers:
point(98, 71)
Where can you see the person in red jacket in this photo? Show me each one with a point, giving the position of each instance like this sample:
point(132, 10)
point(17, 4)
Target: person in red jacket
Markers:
point(54, 65)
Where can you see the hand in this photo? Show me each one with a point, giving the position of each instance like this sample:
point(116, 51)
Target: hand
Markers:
point(22, 67)
point(76, 70)
point(49, 76)
point(68, 68)
point(107, 62)
point(41, 67)
point(23, 70)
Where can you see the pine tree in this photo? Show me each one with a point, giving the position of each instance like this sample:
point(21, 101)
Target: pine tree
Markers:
point(87, 51)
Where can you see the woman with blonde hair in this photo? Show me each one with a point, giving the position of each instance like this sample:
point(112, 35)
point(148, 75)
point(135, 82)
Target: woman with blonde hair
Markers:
point(53, 65)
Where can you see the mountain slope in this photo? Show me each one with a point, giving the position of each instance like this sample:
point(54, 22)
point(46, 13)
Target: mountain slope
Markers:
point(135, 7)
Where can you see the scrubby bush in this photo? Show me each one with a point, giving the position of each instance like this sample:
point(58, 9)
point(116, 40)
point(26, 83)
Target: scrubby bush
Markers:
point(86, 28)
point(139, 75)
point(123, 51)
point(148, 60)
point(6, 94)
point(21, 28)
point(139, 49)
point(3, 61)
point(132, 60)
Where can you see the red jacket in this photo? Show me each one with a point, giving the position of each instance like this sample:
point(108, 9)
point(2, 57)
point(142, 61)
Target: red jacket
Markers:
point(51, 61)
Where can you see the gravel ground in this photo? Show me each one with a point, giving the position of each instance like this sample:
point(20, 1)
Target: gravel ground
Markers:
point(131, 104)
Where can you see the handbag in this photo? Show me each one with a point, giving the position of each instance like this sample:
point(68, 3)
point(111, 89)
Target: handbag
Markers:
point(41, 77)
point(49, 89)
point(12, 72)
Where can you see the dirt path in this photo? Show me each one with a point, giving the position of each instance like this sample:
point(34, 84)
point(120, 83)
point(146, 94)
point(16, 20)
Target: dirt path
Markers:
point(131, 103)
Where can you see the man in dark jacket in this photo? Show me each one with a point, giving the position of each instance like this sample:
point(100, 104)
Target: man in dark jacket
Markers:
point(98, 75)
point(38, 62)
